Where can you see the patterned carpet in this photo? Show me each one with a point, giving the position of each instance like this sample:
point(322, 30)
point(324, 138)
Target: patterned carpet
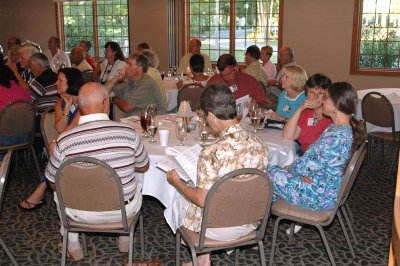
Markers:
point(33, 236)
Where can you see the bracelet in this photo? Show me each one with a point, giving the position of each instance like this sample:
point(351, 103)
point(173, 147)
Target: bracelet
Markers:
point(65, 114)
point(53, 141)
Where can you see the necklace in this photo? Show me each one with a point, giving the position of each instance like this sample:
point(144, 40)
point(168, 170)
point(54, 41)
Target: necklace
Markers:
point(108, 70)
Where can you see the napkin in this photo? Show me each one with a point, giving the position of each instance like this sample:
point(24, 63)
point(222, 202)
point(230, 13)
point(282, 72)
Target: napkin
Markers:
point(175, 151)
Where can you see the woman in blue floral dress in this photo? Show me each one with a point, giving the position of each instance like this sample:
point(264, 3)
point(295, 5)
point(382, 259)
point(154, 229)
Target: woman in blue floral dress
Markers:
point(313, 180)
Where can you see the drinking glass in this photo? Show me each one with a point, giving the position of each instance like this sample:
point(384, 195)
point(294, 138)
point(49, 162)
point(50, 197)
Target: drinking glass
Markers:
point(180, 130)
point(151, 127)
point(152, 110)
point(239, 112)
point(170, 72)
point(255, 118)
point(143, 122)
point(175, 70)
point(203, 131)
point(162, 73)
point(252, 108)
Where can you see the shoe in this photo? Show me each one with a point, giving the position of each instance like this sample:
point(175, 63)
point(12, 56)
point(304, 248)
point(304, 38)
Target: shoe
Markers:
point(32, 206)
point(296, 229)
point(123, 244)
point(73, 254)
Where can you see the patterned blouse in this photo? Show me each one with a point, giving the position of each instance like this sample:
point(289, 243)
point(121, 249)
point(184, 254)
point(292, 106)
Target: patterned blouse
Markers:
point(325, 162)
point(236, 148)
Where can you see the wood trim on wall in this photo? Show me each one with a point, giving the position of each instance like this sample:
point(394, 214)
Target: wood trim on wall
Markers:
point(280, 30)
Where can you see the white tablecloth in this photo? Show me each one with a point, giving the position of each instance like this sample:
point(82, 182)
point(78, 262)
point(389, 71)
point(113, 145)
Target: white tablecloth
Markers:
point(172, 92)
point(393, 94)
point(281, 152)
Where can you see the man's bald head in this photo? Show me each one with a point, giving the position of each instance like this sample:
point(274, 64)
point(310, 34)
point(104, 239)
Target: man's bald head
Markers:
point(93, 98)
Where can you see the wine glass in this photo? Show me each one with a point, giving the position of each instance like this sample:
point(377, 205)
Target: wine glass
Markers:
point(170, 72)
point(239, 112)
point(180, 130)
point(152, 110)
point(175, 70)
point(143, 122)
point(255, 118)
point(253, 107)
point(151, 127)
point(203, 131)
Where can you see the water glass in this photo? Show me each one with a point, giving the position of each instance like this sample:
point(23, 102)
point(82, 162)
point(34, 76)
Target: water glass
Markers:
point(180, 130)
point(151, 128)
point(204, 131)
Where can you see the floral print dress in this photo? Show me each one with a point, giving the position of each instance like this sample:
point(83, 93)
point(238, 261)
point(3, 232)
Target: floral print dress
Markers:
point(325, 162)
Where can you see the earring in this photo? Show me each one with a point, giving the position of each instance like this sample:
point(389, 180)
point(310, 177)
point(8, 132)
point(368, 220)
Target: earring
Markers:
point(334, 111)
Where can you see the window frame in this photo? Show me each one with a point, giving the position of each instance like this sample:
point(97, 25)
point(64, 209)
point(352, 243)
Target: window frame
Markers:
point(355, 48)
point(232, 26)
point(95, 45)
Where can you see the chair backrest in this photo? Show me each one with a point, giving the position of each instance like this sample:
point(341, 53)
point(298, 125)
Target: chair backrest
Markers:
point(17, 118)
point(190, 92)
point(87, 76)
point(243, 196)
point(118, 113)
point(88, 184)
point(4, 168)
point(47, 127)
point(377, 110)
point(351, 173)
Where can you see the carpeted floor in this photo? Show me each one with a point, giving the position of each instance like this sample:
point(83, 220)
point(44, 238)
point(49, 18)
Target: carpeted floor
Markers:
point(33, 236)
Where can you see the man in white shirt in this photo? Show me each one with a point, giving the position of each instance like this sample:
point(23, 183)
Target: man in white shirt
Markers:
point(57, 58)
point(78, 60)
point(194, 48)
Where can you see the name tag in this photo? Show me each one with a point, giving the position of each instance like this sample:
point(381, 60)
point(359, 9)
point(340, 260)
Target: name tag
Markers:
point(287, 109)
point(72, 108)
point(233, 88)
point(312, 121)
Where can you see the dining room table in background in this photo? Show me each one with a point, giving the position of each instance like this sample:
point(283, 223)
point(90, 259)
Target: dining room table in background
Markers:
point(171, 92)
point(393, 94)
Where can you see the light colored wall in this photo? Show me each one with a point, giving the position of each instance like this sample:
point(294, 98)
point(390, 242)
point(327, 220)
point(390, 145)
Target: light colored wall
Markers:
point(320, 31)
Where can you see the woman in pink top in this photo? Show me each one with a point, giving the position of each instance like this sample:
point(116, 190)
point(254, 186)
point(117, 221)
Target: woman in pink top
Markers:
point(308, 123)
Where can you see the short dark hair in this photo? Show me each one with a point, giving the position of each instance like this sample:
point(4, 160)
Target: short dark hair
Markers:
point(6, 76)
point(254, 51)
point(318, 81)
point(197, 63)
point(1, 57)
point(218, 99)
point(144, 46)
point(119, 55)
point(141, 60)
point(226, 60)
point(74, 79)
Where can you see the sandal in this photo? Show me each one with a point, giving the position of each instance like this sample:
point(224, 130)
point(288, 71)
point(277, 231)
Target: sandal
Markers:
point(32, 206)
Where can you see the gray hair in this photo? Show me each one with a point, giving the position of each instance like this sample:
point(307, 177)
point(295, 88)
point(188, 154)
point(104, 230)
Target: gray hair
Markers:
point(141, 60)
point(91, 94)
point(29, 50)
point(39, 59)
point(268, 49)
point(152, 56)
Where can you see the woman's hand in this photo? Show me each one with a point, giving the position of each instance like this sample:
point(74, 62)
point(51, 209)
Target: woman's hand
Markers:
point(120, 75)
point(306, 179)
point(310, 104)
point(173, 177)
point(68, 102)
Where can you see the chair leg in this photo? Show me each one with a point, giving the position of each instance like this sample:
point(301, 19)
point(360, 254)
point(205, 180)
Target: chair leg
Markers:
point(325, 241)
point(291, 235)
point(85, 252)
point(393, 161)
point(349, 224)
point(236, 256)
point(347, 207)
point(36, 160)
point(141, 236)
point(8, 252)
point(369, 149)
point(271, 258)
point(194, 257)
point(262, 254)
point(346, 235)
point(177, 248)
point(64, 248)
point(131, 245)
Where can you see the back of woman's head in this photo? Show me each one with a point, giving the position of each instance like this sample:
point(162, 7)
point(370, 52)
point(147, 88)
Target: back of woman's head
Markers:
point(345, 99)
point(74, 79)
point(298, 75)
point(197, 63)
point(6, 76)
point(119, 55)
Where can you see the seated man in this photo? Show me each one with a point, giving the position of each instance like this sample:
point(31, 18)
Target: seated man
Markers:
point(240, 83)
point(115, 143)
point(43, 87)
point(241, 149)
point(57, 58)
point(78, 60)
point(194, 48)
point(254, 67)
point(138, 90)
point(86, 46)
point(22, 72)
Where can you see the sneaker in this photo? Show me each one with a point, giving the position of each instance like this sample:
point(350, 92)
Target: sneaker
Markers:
point(296, 229)
point(123, 244)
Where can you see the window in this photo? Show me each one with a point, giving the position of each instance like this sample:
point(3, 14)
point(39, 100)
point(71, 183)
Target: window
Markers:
point(376, 37)
point(229, 26)
point(97, 21)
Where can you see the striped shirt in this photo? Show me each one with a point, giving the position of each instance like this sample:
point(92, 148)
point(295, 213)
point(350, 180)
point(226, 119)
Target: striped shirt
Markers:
point(96, 136)
point(44, 90)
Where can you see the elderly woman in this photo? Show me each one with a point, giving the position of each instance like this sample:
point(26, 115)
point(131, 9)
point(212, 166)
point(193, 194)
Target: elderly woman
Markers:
point(197, 70)
point(308, 122)
point(269, 67)
point(67, 115)
point(153, 72)
point(293, 80)
point(114, 60)
point(313, 180)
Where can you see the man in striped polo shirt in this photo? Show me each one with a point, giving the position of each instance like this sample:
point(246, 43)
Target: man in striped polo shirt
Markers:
point(115, 143)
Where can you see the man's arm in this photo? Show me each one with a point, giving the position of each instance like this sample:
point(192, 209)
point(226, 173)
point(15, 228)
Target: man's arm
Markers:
point(123, 105)
point(142, 169)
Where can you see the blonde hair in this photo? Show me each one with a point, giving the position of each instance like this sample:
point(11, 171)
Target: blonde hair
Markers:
point(298, 76)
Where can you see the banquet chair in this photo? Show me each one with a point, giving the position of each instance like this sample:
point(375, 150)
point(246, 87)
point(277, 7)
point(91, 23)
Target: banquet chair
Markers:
point(87, 76)
point(378, 110)
point(320, 219)
point(88, 184)
point(240, 197)
point(47, 127)
point(4, 168)
point(190, 92)
point(18, 118)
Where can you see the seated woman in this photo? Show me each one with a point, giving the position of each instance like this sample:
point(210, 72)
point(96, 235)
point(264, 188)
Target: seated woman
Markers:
point(196, 68)
point(307, 123)
point(66, 117)
point(313, 180)
point(293, 80)
point(9, 92)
